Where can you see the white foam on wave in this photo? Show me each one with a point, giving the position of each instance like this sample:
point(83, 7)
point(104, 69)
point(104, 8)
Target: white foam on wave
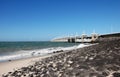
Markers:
point(38, 52)
point(84, 45)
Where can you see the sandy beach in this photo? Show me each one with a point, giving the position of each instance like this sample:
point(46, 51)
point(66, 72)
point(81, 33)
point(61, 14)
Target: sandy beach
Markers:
point(10, 66)
point(16, 64)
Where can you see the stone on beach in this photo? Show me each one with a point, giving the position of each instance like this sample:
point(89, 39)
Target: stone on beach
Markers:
point(93, 61)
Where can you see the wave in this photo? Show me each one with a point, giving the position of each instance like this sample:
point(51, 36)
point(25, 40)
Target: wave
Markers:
point(38, 52)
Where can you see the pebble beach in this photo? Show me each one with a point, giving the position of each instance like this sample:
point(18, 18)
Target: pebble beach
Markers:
point(100, 60)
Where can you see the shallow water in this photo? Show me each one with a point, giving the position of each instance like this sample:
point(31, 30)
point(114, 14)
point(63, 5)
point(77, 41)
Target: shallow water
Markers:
point(17, 50)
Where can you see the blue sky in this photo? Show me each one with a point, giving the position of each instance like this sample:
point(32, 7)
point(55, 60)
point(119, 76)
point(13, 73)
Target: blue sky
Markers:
point(35, 20)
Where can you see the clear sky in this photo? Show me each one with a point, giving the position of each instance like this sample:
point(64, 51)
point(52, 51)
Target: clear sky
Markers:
point(35, 20)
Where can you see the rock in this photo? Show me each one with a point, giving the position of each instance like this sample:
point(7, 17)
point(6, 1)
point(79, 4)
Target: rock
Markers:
point(91, 58)
point(70, 62)
point(116, 74)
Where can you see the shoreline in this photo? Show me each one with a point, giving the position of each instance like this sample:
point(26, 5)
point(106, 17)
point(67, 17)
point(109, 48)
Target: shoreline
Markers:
point(101, 60)
point(38, 52)
point(10, 66)
point(33, 53)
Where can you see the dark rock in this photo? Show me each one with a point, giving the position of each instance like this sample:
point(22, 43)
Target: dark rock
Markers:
point(105, 73)
point(116, 74)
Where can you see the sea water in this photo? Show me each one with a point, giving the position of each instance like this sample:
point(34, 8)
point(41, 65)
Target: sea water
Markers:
point(18, 50)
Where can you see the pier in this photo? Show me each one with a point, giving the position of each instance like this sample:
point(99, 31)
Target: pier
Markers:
point(78, 39)
point(87, 39)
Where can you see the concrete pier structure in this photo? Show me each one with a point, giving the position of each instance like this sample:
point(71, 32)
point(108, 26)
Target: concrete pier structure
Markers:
point(87, 39)
point(78, 39)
